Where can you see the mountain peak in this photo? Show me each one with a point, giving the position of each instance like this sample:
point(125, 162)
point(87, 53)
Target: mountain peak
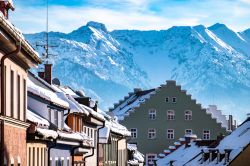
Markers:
point(217, 26)
point(97, 25)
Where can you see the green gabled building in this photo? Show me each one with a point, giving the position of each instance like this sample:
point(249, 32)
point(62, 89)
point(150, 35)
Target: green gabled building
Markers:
point(157, 118)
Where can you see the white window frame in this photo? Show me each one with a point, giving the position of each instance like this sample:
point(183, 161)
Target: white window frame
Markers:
point(188, 115)
point(133, 133)
point(188, 133)
point(170, 133)
point(152, 114)
point(151, 133)
point(206, 135)
point(173, 99)
point(170, 115)
point(150, 155)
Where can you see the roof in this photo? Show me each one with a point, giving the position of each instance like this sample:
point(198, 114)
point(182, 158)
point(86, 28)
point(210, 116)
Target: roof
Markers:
point(234, 144)
point(181, 155)
point(42, 89)
point(17, 35)
point(138, 157)
point(134, 100)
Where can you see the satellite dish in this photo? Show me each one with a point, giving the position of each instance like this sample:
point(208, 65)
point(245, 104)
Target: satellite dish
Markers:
point(56, 81)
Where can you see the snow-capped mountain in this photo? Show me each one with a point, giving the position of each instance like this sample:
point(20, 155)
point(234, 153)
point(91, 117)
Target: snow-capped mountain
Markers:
point(212, 63)
point(90, 59)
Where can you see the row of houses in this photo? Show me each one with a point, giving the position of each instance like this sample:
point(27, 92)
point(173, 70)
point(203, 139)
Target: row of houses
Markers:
point(45, 123)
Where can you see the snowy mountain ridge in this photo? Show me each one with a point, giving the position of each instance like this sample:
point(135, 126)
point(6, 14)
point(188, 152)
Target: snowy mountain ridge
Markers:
point(212, 63)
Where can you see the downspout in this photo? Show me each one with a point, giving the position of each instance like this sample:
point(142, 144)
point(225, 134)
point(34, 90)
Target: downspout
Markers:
point(118, 150)
point(3, 111)
point(84, 158)
point(54, 145)
point(73, 150)
point(97, 148)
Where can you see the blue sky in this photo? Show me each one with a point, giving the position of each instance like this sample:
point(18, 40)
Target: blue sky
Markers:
point(67, 15)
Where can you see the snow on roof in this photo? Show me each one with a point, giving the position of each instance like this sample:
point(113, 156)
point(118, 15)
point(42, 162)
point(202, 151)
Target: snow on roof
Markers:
point(133, 162)
point(31, 116)
point(67, 90)
point(181, 155)
point(117, 128)
point(132, 147)
point(46, 133)
point(45, 93)
point(217, 114)
point(104, 135)
point(18, 36)
point(72, 136)
point(133, 101)
point(139, 157)
point(74, 106)
point(92, 112)
point(235, 143)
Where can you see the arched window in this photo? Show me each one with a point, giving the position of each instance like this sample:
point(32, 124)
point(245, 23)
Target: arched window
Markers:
point(170, 115)
point(188, 115)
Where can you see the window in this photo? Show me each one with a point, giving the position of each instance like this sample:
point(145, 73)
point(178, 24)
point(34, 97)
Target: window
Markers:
point(206, 134)
point(152, 114)
point(133, 133)
point(167, 99)
point(150, 158)
point(151, 133)
point(56, 161)
point(188, 115)
point(50, 115)
point(170, 115)
point(18, 98)
point(56, 117)
point(68, 161)
point(174, 99)
point(24, 99)
point(12, 94)
point(34, 151)
point(170, 133)
point(62, 161)
point(188, 131)
point(37, 157)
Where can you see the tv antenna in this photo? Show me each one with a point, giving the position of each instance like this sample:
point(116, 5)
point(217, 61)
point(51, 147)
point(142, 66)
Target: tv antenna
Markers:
point(46, 46)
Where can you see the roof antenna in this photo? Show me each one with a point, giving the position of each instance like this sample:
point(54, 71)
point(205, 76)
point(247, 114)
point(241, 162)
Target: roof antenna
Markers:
point(45, 55)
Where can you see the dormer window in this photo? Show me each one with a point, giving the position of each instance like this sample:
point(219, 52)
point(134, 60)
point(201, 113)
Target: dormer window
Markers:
point(152, 114)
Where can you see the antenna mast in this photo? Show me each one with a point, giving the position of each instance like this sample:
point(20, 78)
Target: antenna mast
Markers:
point(47, 34)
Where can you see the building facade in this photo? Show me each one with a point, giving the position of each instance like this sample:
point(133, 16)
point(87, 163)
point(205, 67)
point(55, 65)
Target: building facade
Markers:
point(159, 117)
point(17, 56)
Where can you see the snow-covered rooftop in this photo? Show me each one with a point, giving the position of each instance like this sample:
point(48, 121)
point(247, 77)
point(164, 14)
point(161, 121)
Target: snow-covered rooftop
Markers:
point(133, 101)
point(137, 156)
point(37, 119)
point(181, 155)
point(233, 143)
point(42, 91)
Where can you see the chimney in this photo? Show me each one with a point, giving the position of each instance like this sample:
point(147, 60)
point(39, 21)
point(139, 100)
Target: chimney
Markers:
point(230, 123)
point(48, 73)
point(41, 74)
point(5, 6)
